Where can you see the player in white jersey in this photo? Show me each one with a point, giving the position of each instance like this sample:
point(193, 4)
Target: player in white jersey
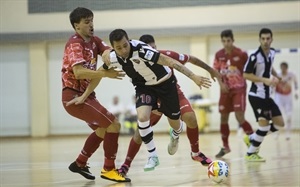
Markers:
point(283, 95)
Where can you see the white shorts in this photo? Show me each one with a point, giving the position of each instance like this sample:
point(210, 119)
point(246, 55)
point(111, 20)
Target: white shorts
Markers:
point(285, 103)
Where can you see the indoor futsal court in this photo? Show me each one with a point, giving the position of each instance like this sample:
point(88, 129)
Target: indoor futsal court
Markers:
point(43, 162)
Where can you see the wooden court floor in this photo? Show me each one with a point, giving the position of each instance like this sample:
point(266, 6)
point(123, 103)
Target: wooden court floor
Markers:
point(43, 162)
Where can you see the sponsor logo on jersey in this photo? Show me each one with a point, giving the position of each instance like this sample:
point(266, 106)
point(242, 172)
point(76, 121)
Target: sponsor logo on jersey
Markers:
point(149, 54)
point(136, 61)
point(181, 57)
point(236, 58)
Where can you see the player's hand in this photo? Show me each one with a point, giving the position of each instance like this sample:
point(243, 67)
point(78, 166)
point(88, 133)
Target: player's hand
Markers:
point(272, 82)
point(113, 73)
point(77, 101)
point(201, 81)
point(215, 75)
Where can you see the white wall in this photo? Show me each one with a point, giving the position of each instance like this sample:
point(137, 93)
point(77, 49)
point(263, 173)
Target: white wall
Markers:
point(20, 21)
point(14, 90)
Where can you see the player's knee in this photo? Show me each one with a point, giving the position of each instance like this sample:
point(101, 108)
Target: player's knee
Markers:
point(114, 127)
point(137, 138)
point(190, 120)
point(100, 132)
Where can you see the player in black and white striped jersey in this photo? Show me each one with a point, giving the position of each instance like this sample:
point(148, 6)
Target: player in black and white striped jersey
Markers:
point(258, 70)
point(153, 81)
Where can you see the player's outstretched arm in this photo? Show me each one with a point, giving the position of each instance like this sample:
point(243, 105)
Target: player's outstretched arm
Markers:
point(91, 87)
point(199, 80)
point(213, 73)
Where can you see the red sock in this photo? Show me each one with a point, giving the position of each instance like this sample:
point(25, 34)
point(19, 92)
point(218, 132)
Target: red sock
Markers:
point(133, 149)
point(247, 128)
point(110, 146)
point(91, 145)
point(193, 136)
point(225, 134)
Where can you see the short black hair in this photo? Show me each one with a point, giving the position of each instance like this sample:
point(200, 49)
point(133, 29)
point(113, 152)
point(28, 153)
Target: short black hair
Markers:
point(147, 38)
point(79, 13)
point(284, 64)
point(227, 33)
point(265, 31)
point(117, 35)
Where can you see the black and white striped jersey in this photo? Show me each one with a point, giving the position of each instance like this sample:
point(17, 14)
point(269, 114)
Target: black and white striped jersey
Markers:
point(261, 66)
point(141, 65)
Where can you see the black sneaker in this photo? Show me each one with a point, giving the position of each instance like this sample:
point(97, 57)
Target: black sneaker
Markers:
point(84, 171)
point(222, 152)
point(123, 170)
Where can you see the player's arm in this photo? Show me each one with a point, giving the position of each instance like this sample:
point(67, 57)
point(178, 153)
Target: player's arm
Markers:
point(90, 88)
point(213, 73)
point(199, 80)
point(295, 86)
point(274, 73)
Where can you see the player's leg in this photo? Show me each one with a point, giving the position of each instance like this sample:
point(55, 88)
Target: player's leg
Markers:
point(225, 107)
point(288, 115)
point(262, 111)
point(192, 131)
point(169, 106)
point(135, 144)
point(100, 117)
point(239, 106)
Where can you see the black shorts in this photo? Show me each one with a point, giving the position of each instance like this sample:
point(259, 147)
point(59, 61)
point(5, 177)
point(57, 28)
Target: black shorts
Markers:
point(264, 108)
point(165, 93)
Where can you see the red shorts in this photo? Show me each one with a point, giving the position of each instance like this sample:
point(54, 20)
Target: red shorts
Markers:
point(233, 101)
point(184, 103)
point(91, 111)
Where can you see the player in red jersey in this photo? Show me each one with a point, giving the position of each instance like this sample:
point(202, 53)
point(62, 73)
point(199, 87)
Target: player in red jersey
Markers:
point(79, 79)
point(230, 62)
point(284, 95)
point(187, 113)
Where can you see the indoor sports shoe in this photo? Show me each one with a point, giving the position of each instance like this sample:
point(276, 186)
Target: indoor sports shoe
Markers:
point(254, 158)
point(152, 163)
point(123, 170)
point(202, 159)
point(84, 171)
point(113, 175)
point(173, 145)
point(222, 152)
point(247, 140)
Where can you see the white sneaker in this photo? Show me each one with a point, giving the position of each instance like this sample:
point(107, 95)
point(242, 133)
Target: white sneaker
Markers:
point(152, 163)
point(173, 145)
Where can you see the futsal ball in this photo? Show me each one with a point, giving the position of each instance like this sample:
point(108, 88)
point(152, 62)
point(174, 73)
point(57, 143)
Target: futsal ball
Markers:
point(218, 171)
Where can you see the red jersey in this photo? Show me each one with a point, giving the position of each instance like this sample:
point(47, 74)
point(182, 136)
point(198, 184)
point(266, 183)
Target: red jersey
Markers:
point(77, 51)
point(231, 67)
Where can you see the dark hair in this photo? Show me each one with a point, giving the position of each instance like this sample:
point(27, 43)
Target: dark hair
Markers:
point(117, 35)
point(147, 38)
point(79, 13)
point(284, 64)
point(265, 31)
point(227, 33)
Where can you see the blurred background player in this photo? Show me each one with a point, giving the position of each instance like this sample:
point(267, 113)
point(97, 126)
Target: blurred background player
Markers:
point(116, 108)
point(283, 95)
point(258, 70)
point(230, 62)
point(187, 113)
